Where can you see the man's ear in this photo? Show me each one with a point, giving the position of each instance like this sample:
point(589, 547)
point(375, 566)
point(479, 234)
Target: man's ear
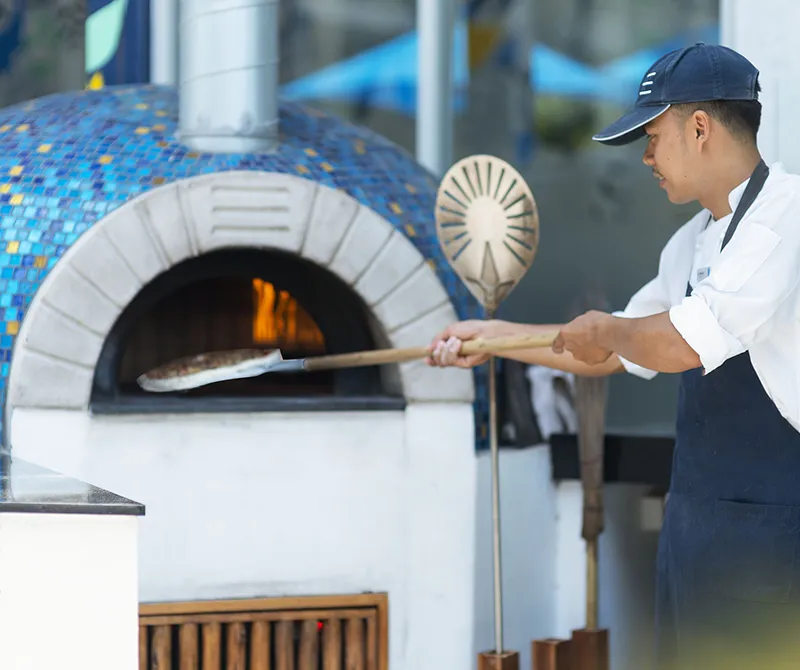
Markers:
point(701, 126)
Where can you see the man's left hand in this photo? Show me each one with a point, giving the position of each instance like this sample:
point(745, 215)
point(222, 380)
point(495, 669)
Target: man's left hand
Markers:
point(581, 336)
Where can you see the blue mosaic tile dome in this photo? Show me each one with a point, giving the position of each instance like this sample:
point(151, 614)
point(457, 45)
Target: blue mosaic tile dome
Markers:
point(68, 160)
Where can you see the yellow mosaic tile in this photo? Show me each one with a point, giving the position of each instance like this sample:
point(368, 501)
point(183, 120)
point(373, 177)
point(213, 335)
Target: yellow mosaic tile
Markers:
point(12, 327)
point(410, 188)
point(410, 230)
point(15, 171)
point(311, 152)
point(327, 167)
point(5, 188)
point(105, 160)
point(302, 169)
point(17, 199)
point(12, 247)
point(395, 208)
point(44, 148)
point(142, 131)
point(40, 262)
point(24, 127)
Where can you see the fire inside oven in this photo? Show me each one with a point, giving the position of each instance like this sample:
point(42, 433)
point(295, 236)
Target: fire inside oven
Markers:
point(240, 299)
point(220, 314)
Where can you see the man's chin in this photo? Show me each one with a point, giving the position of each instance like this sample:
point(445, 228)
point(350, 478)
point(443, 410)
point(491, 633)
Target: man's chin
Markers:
point(677, 198)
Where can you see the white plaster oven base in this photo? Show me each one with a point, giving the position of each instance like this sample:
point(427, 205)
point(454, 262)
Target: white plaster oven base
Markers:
point(293, 504)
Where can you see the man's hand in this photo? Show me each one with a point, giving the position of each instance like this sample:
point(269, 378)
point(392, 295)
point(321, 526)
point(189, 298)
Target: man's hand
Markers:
point(445, 348)
point(581, 337)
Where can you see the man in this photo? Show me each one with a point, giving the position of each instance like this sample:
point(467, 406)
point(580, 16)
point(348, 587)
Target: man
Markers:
point(723, 313)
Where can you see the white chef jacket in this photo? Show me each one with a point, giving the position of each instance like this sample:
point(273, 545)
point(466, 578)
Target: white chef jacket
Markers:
point(745, 298)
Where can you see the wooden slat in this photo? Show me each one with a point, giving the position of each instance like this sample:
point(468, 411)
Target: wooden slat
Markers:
point(247, 616)
point(187, 644)
point(144, 658)
point(212, 646)
point(332, 645)
point(299, 603)
point(284, 645)
point(308, 656)
point(260, 646)
point(237, 647)
point(354, 644)
point(161, 651)
point(372, 642)
point(383, 633)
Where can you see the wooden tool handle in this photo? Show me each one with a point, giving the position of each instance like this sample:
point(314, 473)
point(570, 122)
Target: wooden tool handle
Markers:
point(386, 356)
point(590, 404)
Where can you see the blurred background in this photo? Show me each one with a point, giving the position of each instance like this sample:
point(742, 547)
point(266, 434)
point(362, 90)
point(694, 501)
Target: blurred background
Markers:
point(533, 79)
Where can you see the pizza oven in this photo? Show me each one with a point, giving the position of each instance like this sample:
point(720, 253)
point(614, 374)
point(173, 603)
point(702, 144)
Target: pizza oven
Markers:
point(244, 299)
point(151, 223)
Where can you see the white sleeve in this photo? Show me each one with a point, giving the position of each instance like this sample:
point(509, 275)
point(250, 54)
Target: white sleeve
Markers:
point(655, 297)
point(755, 274)
point(650, 299)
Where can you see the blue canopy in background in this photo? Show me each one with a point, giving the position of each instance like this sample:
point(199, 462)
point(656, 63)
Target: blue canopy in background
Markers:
point(386, 76)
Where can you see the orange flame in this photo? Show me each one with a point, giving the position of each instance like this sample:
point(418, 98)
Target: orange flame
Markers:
point(279, 321)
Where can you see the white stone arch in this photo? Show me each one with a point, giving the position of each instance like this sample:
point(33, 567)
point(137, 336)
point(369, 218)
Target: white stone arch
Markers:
point(77, 304)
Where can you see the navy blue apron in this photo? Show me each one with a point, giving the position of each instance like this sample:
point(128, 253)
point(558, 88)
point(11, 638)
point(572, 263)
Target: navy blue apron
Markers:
point(728, 566)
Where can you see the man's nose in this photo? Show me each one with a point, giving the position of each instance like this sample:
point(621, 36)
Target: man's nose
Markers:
point(647, 158)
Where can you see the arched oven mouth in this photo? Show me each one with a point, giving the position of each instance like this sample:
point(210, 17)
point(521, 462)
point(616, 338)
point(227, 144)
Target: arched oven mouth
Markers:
point(244, 298)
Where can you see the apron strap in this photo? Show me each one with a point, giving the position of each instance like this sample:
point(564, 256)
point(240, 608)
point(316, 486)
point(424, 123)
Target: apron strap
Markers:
point(754, 186)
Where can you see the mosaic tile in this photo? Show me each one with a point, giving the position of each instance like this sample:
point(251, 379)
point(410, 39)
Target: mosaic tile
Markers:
point(68, 160)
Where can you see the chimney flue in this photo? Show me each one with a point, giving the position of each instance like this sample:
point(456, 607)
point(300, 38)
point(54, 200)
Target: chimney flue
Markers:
point(228, 90)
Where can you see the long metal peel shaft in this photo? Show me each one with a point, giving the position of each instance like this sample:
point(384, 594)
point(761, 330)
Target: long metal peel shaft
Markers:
point(498, 567)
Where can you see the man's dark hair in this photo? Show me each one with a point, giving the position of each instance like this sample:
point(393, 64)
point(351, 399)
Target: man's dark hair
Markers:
point(741, 117)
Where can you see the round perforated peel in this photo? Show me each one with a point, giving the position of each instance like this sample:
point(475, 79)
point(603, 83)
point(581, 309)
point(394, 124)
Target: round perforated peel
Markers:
point(488, 227)
point(487, 223)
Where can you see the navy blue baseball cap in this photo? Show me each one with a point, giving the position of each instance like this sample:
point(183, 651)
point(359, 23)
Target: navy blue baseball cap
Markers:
point(699, 73)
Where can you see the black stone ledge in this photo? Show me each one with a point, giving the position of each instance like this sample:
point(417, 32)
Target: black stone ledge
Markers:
point(29, 488)
point(169, 403)
point(628, 459)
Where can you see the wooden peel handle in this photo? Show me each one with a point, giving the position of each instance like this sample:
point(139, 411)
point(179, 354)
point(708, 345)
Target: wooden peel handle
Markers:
point(386, 356)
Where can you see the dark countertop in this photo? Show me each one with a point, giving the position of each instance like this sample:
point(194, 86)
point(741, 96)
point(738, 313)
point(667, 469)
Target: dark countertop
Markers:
point(627, 459)
point(26, 487)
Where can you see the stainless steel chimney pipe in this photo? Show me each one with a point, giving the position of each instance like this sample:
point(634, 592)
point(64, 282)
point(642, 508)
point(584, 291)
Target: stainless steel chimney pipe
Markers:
point(228, 75)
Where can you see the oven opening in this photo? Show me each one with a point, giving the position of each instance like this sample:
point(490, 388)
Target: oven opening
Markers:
point(244, 299)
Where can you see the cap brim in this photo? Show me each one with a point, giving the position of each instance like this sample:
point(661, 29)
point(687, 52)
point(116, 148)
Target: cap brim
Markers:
point(630, 127)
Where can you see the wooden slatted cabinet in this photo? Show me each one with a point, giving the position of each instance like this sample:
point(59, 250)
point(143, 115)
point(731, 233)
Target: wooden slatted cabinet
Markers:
point(309, 633)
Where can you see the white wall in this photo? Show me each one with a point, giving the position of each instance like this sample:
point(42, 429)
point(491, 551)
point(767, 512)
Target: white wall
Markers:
point(765, 32)
point(544, 561)
point(528, 508)
point(299, 503)
point(68, 592)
